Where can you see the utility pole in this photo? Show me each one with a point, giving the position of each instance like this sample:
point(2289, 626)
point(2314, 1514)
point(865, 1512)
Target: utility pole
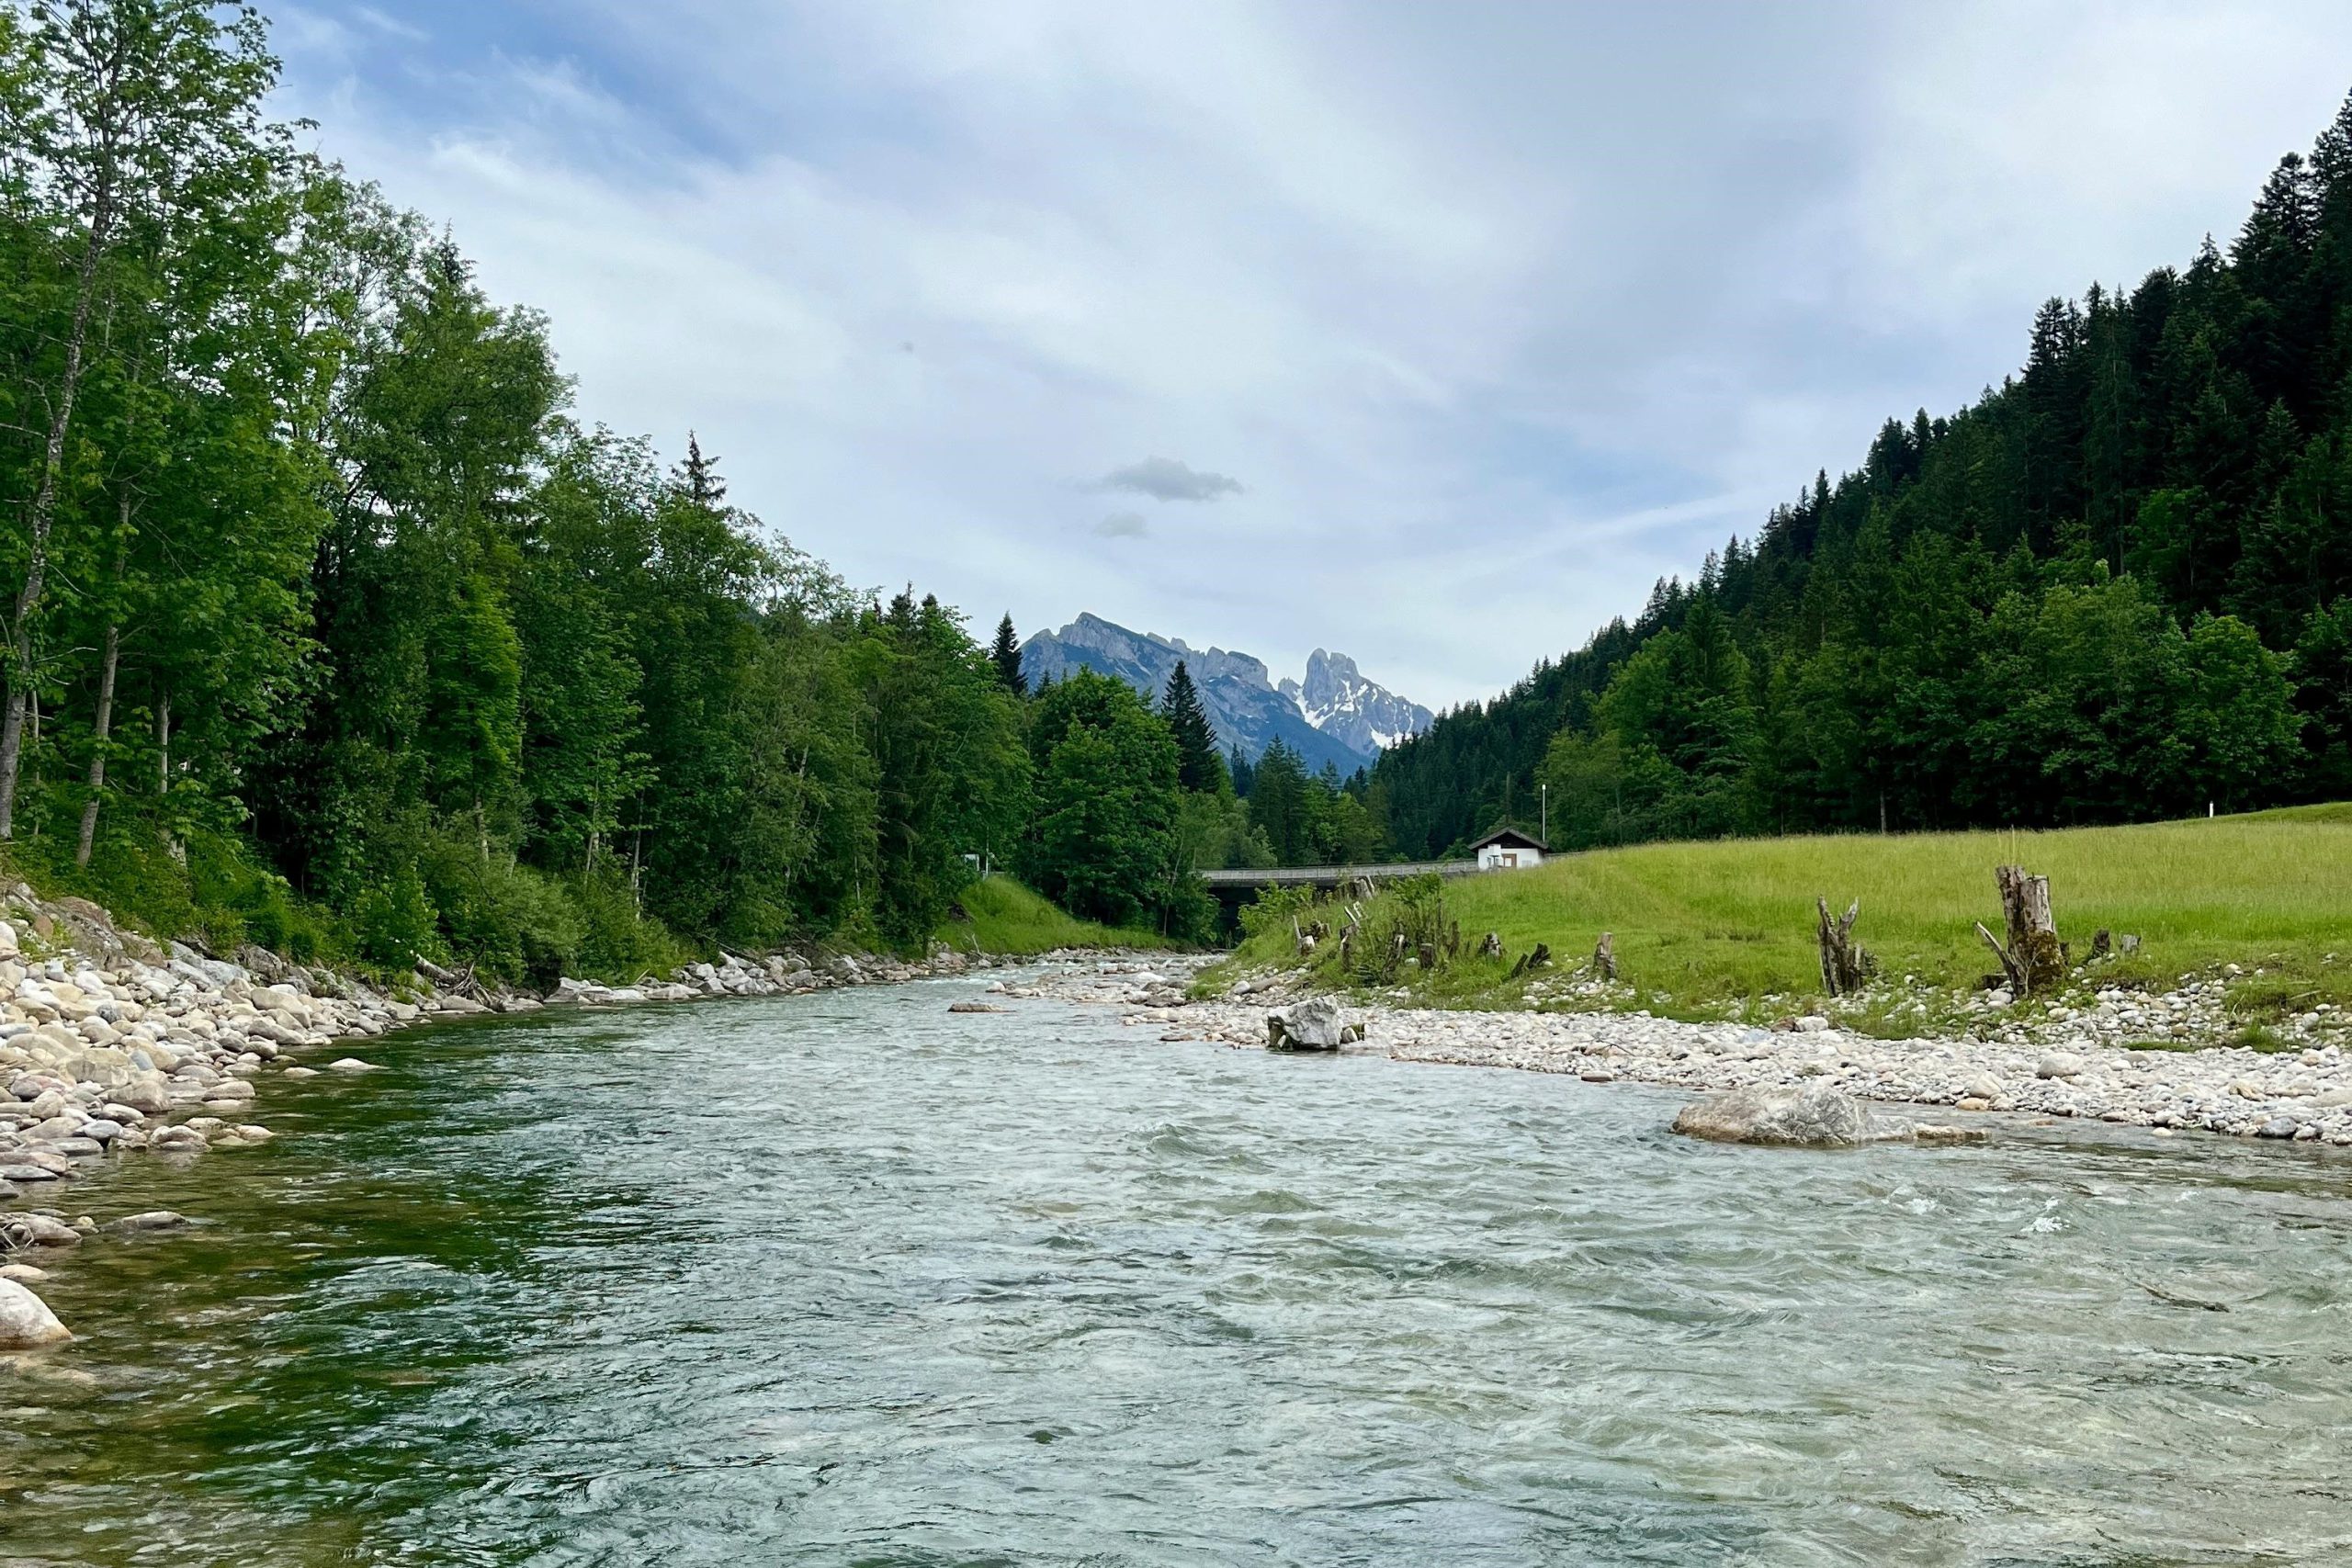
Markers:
point(1544, 812)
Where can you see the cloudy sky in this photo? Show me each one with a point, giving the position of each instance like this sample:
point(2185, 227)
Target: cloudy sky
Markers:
point(1432, 333)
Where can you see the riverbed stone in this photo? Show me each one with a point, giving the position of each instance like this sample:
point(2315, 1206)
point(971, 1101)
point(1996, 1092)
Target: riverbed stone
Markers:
point(26, 1322)
point(2058, 1065)
point(1816, 1116)
point(1314, 1024)
point(21, 1230)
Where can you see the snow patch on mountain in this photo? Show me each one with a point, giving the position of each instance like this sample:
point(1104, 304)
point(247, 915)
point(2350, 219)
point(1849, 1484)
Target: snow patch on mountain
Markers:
point(1335, 714)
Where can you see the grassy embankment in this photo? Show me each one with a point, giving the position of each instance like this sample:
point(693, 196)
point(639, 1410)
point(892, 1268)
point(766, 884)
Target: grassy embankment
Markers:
point(1006, 919)
point(1728, 927)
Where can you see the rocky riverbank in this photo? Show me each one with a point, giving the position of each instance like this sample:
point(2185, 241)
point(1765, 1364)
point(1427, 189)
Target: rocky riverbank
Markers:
point(2302, 1095)
point(110, 1044)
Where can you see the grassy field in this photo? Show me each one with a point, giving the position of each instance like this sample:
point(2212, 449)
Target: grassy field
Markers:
point(1007, 919)
point(1704, 927)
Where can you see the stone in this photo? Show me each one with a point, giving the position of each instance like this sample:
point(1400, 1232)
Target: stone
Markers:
point(1314, 1024)
point(26, 1322)
point(179, 1141)
point(302, 1072)
point(1932, 1133)
point(975, 1006)
point(23, 1273)
point(152, 1220)
point(1816, 1116)
point(21, 1230)
point(351, 1065)
point(2058, 1065)
point(1812, 1023)
point(1983, 1085)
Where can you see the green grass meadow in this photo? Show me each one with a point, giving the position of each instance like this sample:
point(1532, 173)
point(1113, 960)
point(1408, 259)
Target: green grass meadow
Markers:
point(1006, 919)
point(1703, 925)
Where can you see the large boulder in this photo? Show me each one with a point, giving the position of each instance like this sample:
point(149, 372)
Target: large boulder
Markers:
point(1314, 1024)
point(26, 1322)
point(1816, 1116)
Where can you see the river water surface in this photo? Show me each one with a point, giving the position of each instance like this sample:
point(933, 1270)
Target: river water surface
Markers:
point(845, 1279)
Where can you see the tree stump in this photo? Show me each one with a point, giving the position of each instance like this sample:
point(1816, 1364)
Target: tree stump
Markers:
point(2034, 960)
point(1604, 956)
point(1491, 945)
point(1541, 958)
point(1846, 968)
point(2102, 943)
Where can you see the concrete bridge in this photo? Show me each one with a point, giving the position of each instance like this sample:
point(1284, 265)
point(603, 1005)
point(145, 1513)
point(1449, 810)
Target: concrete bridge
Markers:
point(1238, 885)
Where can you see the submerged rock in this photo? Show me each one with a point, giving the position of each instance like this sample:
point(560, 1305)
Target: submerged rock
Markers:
point(1816, 1117)
point(22, 1231)
point(26, 1322)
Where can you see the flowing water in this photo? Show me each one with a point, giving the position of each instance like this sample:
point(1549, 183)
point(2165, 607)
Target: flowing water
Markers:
point(848, 1280)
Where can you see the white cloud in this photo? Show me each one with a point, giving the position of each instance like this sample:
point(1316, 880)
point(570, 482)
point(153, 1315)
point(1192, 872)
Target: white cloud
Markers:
point(1455, 287)
point(1123, 525)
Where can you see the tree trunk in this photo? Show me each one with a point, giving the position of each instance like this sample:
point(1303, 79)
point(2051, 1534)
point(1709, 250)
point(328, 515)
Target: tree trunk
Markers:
point(1844, 967)
point(163, 744)
point(82, 845)
point(42, 511)
point(2035, 960)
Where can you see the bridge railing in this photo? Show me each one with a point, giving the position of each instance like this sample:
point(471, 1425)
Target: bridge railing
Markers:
point(1334, 875)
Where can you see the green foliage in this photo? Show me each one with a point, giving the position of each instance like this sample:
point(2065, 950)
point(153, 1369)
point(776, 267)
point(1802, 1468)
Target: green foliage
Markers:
point(336, 634)
point(393, 925)
point(2071, 601)
point(997, 915)
point(1198, 766)
point(1106, 846)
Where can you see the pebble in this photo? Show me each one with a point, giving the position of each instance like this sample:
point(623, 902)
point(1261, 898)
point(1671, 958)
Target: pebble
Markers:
point(2218, 1088)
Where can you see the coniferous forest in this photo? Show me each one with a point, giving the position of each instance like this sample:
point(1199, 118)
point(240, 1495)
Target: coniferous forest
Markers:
point(2117, 587)
point(330, 629)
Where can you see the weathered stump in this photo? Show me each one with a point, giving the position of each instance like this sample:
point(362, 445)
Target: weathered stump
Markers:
point(1846, 968)
point(1604, 957)
point(2034, 960)
point(1491, 945)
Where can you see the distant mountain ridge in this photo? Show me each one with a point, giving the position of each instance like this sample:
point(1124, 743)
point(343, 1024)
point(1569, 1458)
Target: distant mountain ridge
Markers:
point(1335, 714)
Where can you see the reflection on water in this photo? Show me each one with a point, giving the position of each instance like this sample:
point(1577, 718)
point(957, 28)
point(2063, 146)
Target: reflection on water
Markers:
point(846, 1279)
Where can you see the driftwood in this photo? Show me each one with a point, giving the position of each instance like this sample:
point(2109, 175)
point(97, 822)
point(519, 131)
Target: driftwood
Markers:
point(1846, 966)
point(2034, 960)
point(1604, 956)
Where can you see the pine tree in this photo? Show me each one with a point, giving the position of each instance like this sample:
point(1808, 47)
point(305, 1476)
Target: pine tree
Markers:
point(1197, 764)
point(698, 477)
point(1006, 655)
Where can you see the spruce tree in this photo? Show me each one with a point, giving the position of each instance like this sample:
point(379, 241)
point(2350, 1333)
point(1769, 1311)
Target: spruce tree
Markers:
point(1197, 764)
point(698, 477)
point(1006, 656)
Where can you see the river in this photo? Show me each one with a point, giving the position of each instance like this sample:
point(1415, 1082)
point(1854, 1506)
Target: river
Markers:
point(845, 1279)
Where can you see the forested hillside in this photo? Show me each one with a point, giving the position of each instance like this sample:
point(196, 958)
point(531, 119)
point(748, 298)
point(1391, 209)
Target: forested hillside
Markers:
point(330, 629)
point(2117, 587)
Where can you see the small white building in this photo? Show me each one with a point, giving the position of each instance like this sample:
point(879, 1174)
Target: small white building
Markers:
point(1508, 849)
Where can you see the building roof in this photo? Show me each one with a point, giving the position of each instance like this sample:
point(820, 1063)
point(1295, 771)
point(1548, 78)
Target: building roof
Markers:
point(1511, 838)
